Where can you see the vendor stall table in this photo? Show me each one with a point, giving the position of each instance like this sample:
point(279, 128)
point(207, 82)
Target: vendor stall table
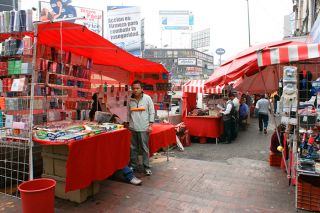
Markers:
point(204, 126)
point(95, 158)
point(162, 136)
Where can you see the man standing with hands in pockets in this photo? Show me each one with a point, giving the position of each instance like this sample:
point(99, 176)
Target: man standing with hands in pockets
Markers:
point(140, 117)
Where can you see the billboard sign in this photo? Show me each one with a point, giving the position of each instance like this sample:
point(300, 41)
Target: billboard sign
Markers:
point(56, 9)
point(176, 19)
point(187, 61)
point(124, 28)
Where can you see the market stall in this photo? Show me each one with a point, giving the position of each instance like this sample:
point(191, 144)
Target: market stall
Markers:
point(299, 108)
point(201, 123)
point(298, 86)
point(46, 81)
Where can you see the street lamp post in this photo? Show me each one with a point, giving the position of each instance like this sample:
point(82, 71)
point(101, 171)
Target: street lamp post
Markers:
point(248, 22)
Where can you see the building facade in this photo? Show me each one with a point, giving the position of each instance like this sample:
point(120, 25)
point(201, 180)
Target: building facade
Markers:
point(182, 64)
point(305, 14)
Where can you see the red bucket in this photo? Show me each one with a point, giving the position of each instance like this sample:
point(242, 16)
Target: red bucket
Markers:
point(37, 195)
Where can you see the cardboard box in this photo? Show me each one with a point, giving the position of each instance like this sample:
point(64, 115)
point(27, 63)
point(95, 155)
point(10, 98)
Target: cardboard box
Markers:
point(77, 196)
point(55, 160)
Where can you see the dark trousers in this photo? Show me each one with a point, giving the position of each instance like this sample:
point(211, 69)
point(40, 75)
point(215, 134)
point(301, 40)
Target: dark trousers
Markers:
point(263, 121)
point(228, 130)
point(234, 128)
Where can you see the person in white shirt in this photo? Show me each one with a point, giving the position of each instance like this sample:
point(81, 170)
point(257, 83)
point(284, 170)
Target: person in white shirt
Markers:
point(263, 107)
point(236, 103)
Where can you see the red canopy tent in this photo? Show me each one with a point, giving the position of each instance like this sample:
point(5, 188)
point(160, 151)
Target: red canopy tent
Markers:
point(197, 86)
point(242, 65)
point(108, 59)
point(290, 53)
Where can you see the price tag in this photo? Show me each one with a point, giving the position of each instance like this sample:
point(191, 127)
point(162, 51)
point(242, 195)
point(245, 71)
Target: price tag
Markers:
point(305, 119)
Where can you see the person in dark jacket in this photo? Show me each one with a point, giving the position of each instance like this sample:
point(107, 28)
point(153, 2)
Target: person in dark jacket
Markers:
point(96, 106)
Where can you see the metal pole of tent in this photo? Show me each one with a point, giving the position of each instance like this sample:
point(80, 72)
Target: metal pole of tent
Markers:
point(273, 116)
point(34, 57)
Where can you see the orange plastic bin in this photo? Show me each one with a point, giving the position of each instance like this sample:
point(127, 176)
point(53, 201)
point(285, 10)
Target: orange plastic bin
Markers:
point(37, 195)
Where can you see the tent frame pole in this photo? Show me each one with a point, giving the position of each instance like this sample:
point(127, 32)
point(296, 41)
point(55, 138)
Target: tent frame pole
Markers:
point(273, 116)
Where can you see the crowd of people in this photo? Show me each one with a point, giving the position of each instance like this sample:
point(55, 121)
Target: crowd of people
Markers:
point(236, 113)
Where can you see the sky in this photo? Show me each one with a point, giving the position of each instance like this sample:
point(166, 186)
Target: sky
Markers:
point(227, 19)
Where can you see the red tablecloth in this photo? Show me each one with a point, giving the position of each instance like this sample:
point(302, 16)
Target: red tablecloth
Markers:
point(95, 158)
point(204, 126)
point(161, 136)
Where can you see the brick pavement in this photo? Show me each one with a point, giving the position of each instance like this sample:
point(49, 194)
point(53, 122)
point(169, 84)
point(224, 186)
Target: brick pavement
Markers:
point(235, 184)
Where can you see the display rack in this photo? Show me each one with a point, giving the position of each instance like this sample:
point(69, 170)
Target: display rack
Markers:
point(300, 114)
point(32, 95)
point(16, 83)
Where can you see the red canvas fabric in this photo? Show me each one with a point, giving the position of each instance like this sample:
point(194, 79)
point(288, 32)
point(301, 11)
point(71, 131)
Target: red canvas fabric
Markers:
point(243, 64)
point(204, 126)
point(162, 136)
point(98, 157)
point(288, 53)
point(189, 102)
point(95, 158)
point(81, 41)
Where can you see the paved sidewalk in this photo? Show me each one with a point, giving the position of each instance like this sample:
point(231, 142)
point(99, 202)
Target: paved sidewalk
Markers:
point(184, 185)
point(205, 178)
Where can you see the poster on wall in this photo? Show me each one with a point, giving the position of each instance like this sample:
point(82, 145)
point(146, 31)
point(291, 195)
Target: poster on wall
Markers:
point(57, 9)
point(124, 28)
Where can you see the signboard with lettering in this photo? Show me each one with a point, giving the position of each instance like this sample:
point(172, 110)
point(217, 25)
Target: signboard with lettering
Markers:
point(124, 28)
point(187, 61)
point(220, 51)
point(93, 18)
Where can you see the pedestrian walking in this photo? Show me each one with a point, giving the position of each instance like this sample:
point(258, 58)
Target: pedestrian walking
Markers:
point(263, 108)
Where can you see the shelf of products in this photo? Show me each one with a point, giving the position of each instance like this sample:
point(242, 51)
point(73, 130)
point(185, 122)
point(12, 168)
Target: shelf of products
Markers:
point(300, 112)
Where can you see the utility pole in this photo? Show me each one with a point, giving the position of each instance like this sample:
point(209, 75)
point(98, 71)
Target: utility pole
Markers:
point(248, 22)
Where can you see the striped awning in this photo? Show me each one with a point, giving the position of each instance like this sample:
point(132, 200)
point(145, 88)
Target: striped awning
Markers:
point(197, 86)
point(290, 53)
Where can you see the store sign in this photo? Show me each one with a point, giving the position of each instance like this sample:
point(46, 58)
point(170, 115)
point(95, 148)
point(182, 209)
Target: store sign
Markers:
point(199, 63)
point(124, 28)
point(193, 71)
point(93, 18)
point(187, 61)
point(220, 51)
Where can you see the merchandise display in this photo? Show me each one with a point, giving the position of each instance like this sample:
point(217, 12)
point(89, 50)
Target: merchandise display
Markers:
point(16, 21)
point(63, 133)
point(299, 108)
